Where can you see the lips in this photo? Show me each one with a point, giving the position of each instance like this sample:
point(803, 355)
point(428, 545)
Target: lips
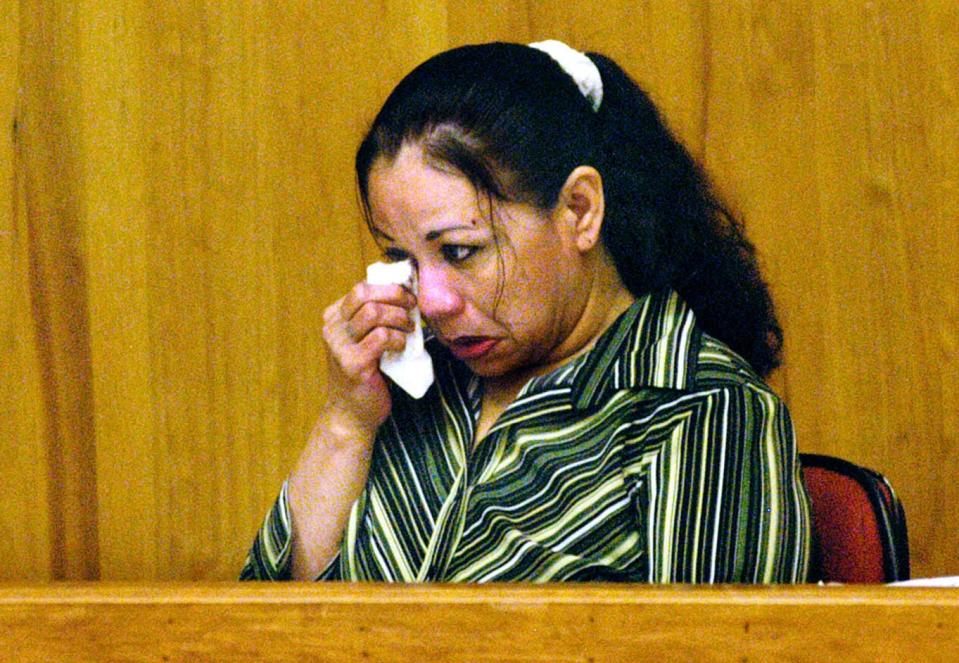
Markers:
point(471, 347)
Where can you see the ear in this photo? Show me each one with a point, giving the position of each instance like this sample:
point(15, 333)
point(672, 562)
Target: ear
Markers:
point(581, 207)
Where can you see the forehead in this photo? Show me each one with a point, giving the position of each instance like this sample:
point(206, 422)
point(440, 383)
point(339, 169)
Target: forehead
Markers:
point(408, 194)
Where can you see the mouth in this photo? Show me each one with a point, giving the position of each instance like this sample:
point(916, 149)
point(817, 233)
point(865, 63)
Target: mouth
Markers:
point(471, 347)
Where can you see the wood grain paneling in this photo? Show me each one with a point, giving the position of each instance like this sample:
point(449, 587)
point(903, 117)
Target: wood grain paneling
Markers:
point(55, 341)
point(132, 472)
point(511, 622)
point(25, 514)
point(178, 207)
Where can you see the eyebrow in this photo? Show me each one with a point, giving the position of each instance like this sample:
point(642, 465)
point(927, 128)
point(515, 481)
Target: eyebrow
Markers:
point(431, 236)
point(436, 234)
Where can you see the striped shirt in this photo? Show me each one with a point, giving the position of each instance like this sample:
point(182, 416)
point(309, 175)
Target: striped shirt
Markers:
point(657, 456)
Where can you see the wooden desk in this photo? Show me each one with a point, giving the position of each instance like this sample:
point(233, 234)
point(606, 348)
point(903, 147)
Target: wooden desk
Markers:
point(337, 622)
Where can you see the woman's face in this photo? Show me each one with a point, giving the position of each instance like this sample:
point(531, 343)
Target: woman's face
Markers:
point(502, 296)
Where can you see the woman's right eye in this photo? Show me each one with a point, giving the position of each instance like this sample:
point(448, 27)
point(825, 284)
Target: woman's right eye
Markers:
point(395, 255)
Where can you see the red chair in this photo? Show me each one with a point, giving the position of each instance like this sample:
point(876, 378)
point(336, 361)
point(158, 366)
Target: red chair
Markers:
point(859, 526)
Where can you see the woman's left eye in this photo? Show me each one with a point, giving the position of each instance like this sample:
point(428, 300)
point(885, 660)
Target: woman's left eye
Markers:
point(455, 253)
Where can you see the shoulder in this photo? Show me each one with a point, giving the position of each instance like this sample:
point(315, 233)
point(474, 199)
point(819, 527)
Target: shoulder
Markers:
point(723, 398)
point(719, 368)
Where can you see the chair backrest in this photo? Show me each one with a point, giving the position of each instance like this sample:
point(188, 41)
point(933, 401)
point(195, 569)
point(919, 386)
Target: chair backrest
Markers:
point(858, 522)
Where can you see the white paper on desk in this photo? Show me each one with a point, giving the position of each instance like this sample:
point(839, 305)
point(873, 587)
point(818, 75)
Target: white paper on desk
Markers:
point(411, 369)
point(941, 581)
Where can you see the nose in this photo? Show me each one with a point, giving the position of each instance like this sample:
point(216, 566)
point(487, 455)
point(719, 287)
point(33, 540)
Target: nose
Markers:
point(438, 296)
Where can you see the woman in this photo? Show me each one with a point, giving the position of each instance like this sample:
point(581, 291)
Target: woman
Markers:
point(599, 331)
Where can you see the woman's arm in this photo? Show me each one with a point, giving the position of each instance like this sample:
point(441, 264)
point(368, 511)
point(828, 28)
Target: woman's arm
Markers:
point(302, 533)
point(326, 481)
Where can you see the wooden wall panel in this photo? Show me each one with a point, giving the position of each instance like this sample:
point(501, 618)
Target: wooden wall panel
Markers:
point(178, 207)
point(55, 343)
point(25, 515)
point(933, 223)
point(233, 259)
point(496, 20)
point(132, 474)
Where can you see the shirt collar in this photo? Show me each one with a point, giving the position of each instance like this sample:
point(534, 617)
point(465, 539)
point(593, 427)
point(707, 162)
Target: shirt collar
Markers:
point(654, 343)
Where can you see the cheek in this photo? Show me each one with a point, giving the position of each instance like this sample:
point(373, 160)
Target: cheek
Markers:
point(484, 300)
point(525, 307)
point(511, 291)
point(487, 286)
point(543, 296)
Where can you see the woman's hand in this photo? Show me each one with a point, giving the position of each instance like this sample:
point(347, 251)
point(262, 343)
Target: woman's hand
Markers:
point(358, 329)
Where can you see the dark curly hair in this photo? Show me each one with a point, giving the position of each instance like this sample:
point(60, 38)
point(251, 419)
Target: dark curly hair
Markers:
point(514, 123)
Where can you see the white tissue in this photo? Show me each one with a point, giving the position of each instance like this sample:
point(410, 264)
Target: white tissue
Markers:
point(411, 369)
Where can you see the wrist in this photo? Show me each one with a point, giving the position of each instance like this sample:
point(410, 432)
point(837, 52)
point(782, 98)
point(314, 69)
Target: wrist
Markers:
point(341, 430)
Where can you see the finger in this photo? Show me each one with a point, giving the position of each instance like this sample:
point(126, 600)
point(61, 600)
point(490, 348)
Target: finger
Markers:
point(376, 314)
point(363, 293)
point(380, 340)
point(359, 359)
point(334, 326)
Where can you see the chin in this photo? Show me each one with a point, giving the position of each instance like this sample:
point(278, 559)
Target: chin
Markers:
point(487, 369)
point(498, 367)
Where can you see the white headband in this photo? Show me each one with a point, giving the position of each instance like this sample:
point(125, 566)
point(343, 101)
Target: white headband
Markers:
point(579, 67)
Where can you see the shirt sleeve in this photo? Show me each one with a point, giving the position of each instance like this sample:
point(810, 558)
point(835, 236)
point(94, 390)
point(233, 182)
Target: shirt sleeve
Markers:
point(269, 557)
point(721, 495)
